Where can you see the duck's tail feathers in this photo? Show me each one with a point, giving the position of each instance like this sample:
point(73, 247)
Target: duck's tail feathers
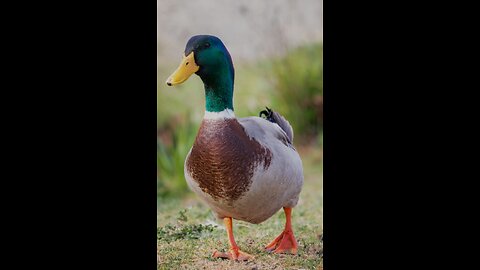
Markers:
point(277, 118)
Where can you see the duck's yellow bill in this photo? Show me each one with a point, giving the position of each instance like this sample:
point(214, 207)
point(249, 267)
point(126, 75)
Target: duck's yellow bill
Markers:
point(184, 71)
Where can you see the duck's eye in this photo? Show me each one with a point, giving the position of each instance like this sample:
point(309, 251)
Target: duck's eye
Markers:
point(207, 45)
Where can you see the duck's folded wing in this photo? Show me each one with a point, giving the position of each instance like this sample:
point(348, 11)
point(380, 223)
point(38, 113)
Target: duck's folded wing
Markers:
point(267, 132)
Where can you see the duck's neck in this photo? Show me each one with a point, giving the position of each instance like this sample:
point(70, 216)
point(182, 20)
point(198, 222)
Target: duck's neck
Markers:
point(219, 89)
point(219, 97)
point(219, 101)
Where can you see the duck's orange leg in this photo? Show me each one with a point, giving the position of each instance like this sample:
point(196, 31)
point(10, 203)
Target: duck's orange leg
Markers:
point(234, 253)
point(285, 242)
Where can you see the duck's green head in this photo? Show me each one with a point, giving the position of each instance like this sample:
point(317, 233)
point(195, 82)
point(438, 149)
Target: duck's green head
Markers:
point(208, 57)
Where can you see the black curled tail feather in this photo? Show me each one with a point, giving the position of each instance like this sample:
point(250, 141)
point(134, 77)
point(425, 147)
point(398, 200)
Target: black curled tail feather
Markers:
point(275, 117)
point(268, 114)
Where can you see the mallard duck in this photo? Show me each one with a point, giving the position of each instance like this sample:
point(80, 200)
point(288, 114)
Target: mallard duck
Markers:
point(243, 168)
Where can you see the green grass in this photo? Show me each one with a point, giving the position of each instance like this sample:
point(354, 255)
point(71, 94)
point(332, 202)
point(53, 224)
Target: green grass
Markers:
point(188, 233)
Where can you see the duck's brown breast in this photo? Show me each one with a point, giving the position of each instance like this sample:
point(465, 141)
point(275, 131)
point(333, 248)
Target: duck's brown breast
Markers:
point(223, 159)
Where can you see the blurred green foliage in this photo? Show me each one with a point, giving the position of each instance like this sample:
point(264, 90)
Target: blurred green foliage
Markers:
point(291, 85)
point(297, 82)
point(173, 146)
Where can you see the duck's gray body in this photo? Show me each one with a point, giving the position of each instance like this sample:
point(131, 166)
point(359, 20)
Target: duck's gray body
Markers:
point(245, 168)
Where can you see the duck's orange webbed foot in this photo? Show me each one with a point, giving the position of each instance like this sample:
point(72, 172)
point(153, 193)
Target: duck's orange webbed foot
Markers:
point(234, 253)
point(285, 242)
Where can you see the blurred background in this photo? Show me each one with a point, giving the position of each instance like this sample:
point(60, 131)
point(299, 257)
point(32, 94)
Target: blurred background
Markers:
point(277, 52)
